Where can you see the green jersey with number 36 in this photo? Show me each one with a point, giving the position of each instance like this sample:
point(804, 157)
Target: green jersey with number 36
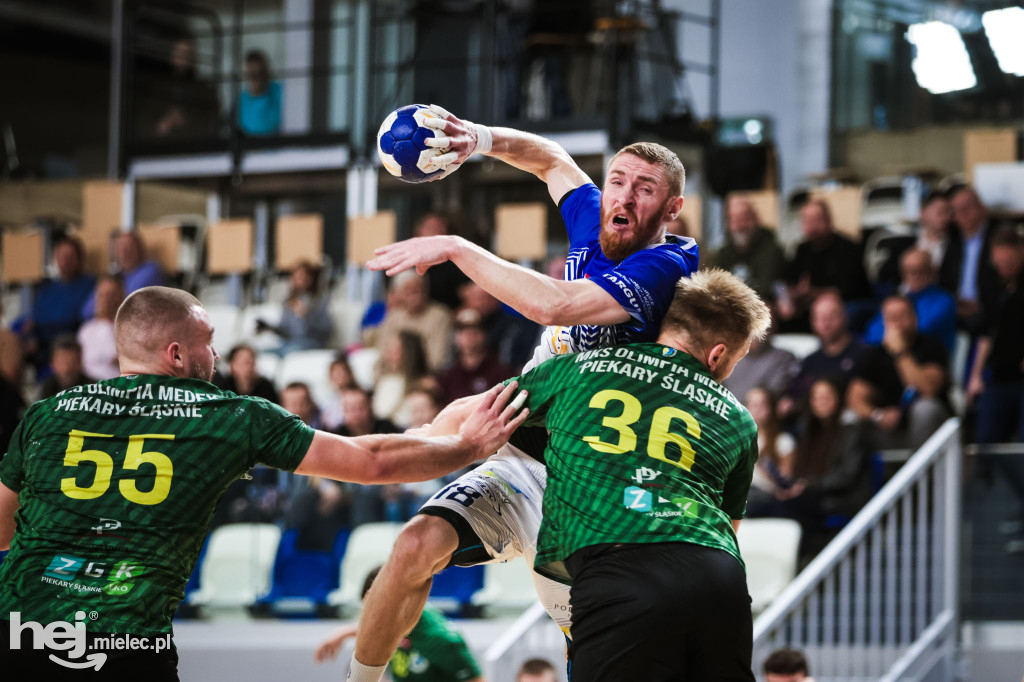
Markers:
point(117, 483)
point(645, 447)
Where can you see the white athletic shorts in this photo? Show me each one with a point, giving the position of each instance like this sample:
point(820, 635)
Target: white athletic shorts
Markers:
point(501, 501)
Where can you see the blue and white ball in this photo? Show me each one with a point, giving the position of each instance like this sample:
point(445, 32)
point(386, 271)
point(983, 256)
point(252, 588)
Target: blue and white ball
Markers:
point(401, 144)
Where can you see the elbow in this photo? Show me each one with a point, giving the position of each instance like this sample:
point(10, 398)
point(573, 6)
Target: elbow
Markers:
point(553, 312)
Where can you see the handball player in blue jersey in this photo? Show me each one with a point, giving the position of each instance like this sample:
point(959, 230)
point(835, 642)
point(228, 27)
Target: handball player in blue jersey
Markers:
point(620, 278)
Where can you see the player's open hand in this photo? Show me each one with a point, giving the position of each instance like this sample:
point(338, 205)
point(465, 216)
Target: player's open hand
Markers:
point(418, 252)
point(329, 648)
point(494, 420)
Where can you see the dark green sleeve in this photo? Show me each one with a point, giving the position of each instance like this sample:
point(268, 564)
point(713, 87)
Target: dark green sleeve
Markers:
point(542, 384)
point(12, 467)
point(454, 658)
point(279, 438)
point(737, 485)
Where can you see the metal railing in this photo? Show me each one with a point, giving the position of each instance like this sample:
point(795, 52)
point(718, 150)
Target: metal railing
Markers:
point(881, 601)
point(532, 635)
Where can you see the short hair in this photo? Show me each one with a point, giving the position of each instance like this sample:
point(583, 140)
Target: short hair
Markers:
point(934, 195)
point(66, 342)
point(239, 348)
point(73, 242)
point(1007, 236)
point(300, 385)
point(660, 155)
point(368, 581)
point(257, 56)
point(786, 661)
point(826, 212)
point(714, 306)
point(535, 666)
point(146, 315)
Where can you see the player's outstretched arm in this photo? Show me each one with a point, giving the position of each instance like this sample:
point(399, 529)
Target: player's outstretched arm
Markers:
point(401, 458)
point(8, 506)
point(525, 151)
point(329, 648)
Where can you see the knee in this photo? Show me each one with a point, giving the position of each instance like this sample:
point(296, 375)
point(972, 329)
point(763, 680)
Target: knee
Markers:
point(424, 546)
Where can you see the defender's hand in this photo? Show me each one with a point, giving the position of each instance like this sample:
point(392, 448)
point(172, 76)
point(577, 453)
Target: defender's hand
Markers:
point(418, 252)
point(329, 648)
point(491, 423)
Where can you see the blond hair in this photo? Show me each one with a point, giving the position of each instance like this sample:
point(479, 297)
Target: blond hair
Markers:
point(714, 306)
point(660, 155)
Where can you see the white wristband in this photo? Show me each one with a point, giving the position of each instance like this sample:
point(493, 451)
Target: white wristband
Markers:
point(483, 139)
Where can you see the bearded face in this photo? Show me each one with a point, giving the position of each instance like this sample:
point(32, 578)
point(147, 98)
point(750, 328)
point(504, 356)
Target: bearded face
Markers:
point(623, 233)
point(635, 203)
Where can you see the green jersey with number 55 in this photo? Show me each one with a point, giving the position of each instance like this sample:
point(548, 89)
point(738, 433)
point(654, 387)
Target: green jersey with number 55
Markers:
point(645, 447)
point(117, 483)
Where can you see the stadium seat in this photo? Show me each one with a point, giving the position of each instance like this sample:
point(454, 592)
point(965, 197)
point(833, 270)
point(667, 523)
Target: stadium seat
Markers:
point(507, 586)
point(227, 325)
point(453, 589)
point(269, 365)
point(268, 312)
point(311, 367)
point(369, 546)
point(348, 317)
point(800, 345)
point(237, 566)
point(364, 363)
point(301, 579)
point(769, 548)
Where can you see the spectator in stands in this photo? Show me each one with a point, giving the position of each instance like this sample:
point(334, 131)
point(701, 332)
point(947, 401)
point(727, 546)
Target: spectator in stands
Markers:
point(12, 357)
point(57, 307)
point(509, 334)
point(411, 310)
point(424, 404)
point(971, 254)
point(136, 272)
point(936, 233)
point(99, 356)
point(935, 307)
point(824, 259)
point(367, 503)
point(774, 468)
point(305, 321)
point(836, 359)
point(319, 511)
point(751, 251)
point(679, 227)
point(259, 104)
point(443, 279)
point(786, 665)
point(180, 104)
point(997, 377)
point(766, 366)
point(66, 366)
point(536, 670)
point(341, 379)
point(243, 378)
point(403, 363)
point(476, 366)
point(298, 399)
point(900, 386)
point(432, 651)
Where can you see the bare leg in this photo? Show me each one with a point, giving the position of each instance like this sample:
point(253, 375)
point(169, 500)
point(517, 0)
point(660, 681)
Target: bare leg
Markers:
point(393, 605)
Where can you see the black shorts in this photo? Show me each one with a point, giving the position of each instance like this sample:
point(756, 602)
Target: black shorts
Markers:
point(28, 663)
point(664, 612)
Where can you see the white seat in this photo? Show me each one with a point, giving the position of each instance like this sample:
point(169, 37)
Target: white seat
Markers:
point(364, 365)
point(800, 345)
point(269, 365)
point(236, 568)
point(348, 318)
point(227, 322)
point(769, 548)
point(368, 547)
point(507, 586)
point(311, 367)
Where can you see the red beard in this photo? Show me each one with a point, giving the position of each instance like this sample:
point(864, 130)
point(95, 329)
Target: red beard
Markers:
point(618, 245)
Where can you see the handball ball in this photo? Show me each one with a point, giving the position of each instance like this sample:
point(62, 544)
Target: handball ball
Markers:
point(401, 144)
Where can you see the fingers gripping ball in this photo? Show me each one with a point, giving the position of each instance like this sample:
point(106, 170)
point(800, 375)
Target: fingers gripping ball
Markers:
point(403, 148)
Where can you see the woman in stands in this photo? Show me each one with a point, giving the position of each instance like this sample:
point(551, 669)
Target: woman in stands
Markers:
point(305, 322)
point(773, 471)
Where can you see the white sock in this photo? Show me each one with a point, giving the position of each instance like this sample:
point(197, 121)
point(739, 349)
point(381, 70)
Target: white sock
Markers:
point(357, 672)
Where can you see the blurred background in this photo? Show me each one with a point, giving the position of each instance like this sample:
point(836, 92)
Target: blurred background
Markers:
point(838, 153)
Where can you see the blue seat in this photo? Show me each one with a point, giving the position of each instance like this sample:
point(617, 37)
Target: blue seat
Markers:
point(454, 587)
point(301, 578)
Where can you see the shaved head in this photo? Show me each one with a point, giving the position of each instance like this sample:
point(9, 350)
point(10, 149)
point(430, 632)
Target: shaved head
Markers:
point(160, 330)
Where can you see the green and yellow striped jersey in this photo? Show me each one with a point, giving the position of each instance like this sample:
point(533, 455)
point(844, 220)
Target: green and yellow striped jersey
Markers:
point(117, 483)
point(645, 447)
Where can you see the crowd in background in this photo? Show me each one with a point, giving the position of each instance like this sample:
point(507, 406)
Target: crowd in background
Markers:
point(881, 379)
